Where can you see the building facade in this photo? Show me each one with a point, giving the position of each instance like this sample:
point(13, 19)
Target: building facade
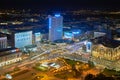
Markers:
point(9, 56)
point(3, 42)
point(55, 27)
point(107, 53)
point(106, 57)
point(22, 39)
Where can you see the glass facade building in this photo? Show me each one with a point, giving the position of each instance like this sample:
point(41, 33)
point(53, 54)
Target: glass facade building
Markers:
point(55, 27)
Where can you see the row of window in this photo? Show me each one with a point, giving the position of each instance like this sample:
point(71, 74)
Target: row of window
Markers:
point(23, 39)
point(23, 35)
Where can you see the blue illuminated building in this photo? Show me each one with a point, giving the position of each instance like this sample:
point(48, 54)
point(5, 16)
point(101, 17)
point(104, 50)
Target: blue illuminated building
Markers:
point(76, 33)
point(68, 35)
point(55, 27)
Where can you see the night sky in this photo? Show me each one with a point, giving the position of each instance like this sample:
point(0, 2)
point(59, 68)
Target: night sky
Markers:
point(60, 4)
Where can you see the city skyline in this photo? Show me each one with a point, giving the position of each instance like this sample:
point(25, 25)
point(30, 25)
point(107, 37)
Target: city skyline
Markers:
point(60, 40)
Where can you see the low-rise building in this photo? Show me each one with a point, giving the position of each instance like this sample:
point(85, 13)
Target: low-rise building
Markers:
point(9, 56)
point(106, 53)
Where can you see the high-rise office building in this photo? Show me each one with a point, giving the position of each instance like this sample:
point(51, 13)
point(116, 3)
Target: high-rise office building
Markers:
point(55, 27)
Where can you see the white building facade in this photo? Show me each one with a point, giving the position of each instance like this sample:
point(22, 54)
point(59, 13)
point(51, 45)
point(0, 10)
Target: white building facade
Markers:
point(22, 39)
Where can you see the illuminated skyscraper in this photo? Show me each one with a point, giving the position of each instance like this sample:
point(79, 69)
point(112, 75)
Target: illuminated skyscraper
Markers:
point(55, 27)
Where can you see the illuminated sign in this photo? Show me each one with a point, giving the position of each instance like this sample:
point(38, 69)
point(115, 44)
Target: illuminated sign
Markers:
point(68, 35)
point(75, 32)
point(57, 15)
point(88, 46)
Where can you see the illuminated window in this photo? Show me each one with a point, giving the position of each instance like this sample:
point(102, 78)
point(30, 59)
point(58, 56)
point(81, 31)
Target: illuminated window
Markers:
point(50, 22)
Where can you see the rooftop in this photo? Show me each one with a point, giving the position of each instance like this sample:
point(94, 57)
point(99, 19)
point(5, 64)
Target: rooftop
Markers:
point(107, 42)
point(8, 51)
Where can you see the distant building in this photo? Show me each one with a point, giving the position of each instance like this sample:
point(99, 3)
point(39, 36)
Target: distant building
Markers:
point(117, 34)
point(103, 52)
point(21, 39)
point(3, 42)
point(88, 47)
point(37, 37)
point(44, 36)
point(99, 34)
point(76, 33)
point(106, 48)
point(68, 35)
point(9, 55)
point(55, 27)
point(106, 56)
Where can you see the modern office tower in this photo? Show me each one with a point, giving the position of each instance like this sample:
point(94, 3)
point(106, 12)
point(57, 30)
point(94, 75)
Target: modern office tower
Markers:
point(55, 27)
point(3, 42)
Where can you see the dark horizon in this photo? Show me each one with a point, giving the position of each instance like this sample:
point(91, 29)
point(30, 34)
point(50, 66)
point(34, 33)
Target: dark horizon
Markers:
point(60, 4)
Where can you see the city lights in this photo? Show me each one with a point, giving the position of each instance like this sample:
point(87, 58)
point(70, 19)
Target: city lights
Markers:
point(60, 40)
point(57, 15)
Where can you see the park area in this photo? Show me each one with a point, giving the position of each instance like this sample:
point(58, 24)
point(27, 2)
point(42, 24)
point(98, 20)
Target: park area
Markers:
point(57, 69)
